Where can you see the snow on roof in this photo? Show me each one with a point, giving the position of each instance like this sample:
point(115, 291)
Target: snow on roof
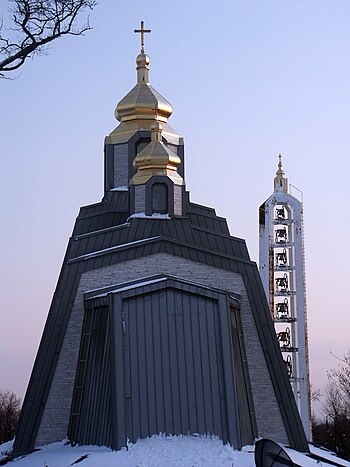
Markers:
point(155, 215)
point(119, 288)
point(112, 248)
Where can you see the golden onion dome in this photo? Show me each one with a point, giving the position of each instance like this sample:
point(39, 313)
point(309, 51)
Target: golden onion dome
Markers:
point(143, 102)
point(156, 159)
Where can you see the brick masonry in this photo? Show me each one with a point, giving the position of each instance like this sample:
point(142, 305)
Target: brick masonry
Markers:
point(178, 200)
point(121, 166)
point(55, 419)
point(140, 198)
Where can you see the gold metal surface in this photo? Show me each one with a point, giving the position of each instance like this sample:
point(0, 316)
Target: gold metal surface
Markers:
point(142, 106)
point(156, 159)
point(143, 101)
point(123, 132)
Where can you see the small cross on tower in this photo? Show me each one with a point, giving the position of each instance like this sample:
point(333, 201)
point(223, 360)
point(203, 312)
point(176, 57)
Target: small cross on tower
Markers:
point(142, 31)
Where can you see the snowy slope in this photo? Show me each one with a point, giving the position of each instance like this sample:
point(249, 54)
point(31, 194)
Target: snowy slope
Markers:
point(177, 451)
point(158, 451)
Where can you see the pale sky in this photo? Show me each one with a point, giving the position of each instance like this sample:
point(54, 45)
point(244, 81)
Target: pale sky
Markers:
point(247, 80)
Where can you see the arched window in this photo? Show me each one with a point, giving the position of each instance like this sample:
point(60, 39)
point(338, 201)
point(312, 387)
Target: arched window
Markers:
point(160, 198)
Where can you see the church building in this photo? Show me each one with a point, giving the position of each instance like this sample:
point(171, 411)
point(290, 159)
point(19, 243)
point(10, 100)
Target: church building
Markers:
point(159, 322)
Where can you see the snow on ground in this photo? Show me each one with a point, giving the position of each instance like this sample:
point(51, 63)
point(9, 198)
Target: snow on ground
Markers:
point(6, 448)
point(327, 454)
point(157, 451)
point(161, 450)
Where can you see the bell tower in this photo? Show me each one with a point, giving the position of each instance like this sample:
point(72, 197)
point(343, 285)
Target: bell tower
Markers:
point(282, 269)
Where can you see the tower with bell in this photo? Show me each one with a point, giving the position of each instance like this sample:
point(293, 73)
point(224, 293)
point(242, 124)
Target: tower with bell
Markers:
point(282, 269)
point(159, 322)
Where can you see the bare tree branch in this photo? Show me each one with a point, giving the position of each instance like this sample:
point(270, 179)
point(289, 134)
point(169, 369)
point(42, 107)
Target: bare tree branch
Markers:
point(36, 23)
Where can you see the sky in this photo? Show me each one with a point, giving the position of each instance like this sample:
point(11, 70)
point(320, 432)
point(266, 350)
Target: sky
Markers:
point(247, 80)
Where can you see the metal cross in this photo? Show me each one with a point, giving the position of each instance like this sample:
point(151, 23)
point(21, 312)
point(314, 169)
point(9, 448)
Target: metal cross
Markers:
point(142, 31)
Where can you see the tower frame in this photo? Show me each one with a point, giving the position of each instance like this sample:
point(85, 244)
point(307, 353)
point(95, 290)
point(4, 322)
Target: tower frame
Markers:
point(282, 270)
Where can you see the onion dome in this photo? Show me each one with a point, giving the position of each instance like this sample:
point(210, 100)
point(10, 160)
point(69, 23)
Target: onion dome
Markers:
point(156, 159)
point(143, 102)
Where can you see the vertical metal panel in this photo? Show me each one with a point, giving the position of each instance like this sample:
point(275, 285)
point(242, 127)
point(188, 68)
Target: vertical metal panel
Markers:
point(168, 415)
point(150, 368)
point(189, 361)
point(198, 377)
point(118, 345)
point(175, 364)
point(211, 319)
point(245, 406)
point(181, 356)
point(173, 360)
point(158, 372)
point(142, 389)
point(95, 417)
point(231, 402)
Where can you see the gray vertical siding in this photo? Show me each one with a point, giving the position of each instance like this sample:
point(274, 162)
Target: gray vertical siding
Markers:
point(168, 364)
point(161, 363)
point(91, 417)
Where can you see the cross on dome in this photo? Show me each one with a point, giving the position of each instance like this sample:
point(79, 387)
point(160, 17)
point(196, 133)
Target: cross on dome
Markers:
point(142, 32)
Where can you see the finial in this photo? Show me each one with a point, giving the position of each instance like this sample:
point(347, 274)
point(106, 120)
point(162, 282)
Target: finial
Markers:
point(156, 132)
point(142, 32)
point(280, 170)
point(142, 60)
point(280, 182)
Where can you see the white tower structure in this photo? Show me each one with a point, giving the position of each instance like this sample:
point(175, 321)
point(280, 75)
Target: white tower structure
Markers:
point(282, 269)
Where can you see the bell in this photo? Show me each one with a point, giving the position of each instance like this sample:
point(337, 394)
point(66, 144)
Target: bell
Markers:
point(281, 258)
point(284, 338)
point(282, 309)
point(281, 235)
point(282, 283)
point(280, 213)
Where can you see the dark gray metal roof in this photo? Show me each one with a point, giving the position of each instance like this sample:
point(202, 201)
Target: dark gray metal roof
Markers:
point(101, 237)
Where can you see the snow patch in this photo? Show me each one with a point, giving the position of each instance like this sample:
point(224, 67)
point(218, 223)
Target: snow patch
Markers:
point(142, 215)
point(111, 249)
point(6, 449)
point(132, 286)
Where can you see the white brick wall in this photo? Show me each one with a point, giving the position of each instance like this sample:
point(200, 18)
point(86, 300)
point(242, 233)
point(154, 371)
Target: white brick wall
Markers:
point(54, 423)
point(121, 165)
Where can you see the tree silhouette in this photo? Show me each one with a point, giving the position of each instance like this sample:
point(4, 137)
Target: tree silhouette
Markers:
point(35, 24)
point(9, 412)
